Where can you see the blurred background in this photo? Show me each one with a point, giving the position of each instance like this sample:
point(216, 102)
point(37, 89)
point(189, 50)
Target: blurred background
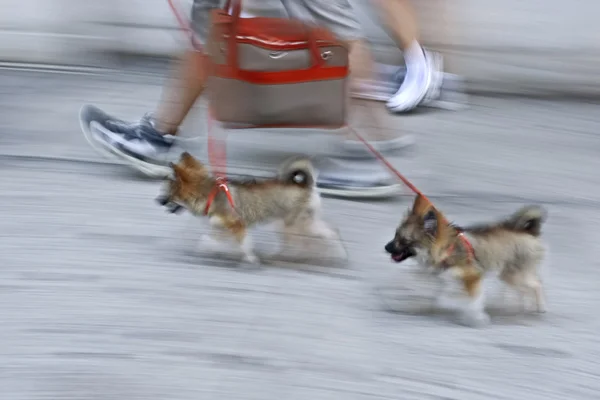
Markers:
point(103, 295)
point(509, 46)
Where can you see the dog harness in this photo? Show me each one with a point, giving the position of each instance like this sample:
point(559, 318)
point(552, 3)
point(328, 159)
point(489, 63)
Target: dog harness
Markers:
point(468, 246)
point(220, 186)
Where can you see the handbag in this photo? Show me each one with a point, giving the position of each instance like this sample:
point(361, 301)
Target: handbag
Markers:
point(275, 72)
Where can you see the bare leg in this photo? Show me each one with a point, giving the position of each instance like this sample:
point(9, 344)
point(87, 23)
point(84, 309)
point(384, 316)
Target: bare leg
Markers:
point(400, 19)
point(361, 61)
point(187, 84)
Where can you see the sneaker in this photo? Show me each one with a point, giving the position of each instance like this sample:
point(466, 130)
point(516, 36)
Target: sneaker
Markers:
point(436, 68)
point(354, 181)
point(139, 144)
point(348, 188)
point(412, 92)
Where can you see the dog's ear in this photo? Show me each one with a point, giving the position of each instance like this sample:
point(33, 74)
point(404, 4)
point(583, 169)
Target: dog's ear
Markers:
point(420, 204)
point(188, 161)
point(181, 174)
point(430, 222)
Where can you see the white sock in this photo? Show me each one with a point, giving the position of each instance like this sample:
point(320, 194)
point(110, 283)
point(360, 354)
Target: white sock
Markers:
point(414, 55)
point(414, 58)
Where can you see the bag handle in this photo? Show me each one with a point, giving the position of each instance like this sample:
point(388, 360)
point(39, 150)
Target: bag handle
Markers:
point(232, 60)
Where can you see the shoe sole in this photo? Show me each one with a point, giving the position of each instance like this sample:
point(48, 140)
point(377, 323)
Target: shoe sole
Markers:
point(84, 123)
point(363, 193)
point(427, 94)
point(357, 149)
point(415, 103)
point(104, 149)
point(436, 63)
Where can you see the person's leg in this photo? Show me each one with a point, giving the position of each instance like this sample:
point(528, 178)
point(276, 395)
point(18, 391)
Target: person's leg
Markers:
point(399, 16)
point(145, 144)
point(186, 86)
point(400, 19)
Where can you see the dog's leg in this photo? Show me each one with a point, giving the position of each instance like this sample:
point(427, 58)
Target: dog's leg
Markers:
point(240, 233)
point(247, 249)
point(474, 313)
point(534, 284)
point(216, 240)
point(321, 229)
point(514, 279)
point(295, 234)
point(472, 301)
point(313, 221)
point(286, 232)
point(443, 300)
point(446, 298)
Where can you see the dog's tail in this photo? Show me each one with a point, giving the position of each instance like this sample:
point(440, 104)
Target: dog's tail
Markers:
point(528, 219)
point(298, 171)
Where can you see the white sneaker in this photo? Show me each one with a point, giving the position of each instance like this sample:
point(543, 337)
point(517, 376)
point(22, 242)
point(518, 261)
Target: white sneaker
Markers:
point(436, 66)
point(412, 91)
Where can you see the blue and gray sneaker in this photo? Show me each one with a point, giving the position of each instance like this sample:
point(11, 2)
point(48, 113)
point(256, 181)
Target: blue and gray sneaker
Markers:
point(352, 178)
point(139, 144)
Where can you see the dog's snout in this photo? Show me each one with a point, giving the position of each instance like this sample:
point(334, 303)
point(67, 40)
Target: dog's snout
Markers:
point(175, 208)
point(162, 200)
point(390, 247)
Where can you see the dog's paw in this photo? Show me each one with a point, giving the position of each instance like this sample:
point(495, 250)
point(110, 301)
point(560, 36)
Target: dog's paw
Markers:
point(474, 320)
point(446, 303)
point(541, 309)
point(251, 259)
point(323, 231)
point(210, 244)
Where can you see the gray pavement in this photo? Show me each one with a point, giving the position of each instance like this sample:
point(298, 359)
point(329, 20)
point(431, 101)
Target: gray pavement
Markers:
point(104, 298)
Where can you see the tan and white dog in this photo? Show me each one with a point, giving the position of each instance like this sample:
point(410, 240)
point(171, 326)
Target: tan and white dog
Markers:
point(233, 207)
point(511, 247)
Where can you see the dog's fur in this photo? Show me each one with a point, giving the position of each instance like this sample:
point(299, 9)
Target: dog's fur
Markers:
point(290, 198)
point(511, 247)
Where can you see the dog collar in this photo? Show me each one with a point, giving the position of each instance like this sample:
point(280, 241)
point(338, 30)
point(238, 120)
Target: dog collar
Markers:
point(220, 185)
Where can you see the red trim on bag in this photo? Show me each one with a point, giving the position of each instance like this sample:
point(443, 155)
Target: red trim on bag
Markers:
point(273, 31)
point(274, 44)
point(281, 77)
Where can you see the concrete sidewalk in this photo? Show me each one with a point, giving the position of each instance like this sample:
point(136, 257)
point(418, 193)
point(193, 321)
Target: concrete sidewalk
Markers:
point(104, 297)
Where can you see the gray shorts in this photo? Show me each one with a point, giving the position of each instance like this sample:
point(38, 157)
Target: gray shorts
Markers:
point(336, 15)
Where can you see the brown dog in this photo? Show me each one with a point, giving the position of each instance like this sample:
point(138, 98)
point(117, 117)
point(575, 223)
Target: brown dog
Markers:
point(233, 207)
point(511, 247)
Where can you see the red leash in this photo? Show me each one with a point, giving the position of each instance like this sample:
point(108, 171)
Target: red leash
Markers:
point(217, 158)
point(388, 165)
